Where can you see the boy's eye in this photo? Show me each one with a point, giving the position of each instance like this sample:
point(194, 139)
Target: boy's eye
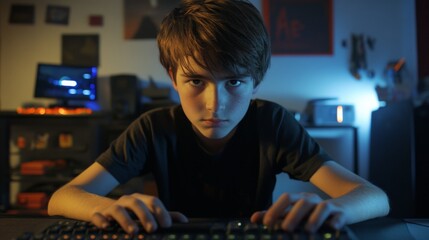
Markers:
point(234, 83)
point(195, 82)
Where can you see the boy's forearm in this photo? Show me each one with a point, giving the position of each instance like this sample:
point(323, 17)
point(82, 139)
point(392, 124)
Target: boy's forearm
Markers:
point(73, 202)
point(364, 202)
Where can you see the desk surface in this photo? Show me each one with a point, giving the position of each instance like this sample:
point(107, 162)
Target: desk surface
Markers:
point(381, 228)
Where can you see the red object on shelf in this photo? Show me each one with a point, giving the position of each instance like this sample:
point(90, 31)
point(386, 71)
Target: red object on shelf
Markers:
point(40, 167)
point(33, 200)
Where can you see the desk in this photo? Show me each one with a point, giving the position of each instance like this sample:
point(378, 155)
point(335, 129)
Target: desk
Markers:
point(377, 229)
point(389, 229)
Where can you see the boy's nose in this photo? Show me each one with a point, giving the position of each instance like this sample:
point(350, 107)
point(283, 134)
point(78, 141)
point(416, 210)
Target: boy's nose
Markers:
point(213, 99)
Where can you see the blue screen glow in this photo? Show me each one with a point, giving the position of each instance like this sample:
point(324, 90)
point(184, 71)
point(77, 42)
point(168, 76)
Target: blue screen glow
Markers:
point(66, 82)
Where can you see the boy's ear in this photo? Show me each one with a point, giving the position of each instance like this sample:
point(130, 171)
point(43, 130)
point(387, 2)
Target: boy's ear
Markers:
point(255, 89)
point(171, 75)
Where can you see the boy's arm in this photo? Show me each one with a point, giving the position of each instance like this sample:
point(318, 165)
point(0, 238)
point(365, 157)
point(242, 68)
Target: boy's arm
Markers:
point(353, 199)
point(359, 199)
point(83, 195)
point(84, 198)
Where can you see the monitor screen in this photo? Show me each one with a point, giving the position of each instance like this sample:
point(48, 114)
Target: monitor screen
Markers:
point(66, 83)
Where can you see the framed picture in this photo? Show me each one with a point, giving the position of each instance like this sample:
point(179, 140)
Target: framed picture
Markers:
point(21, 14)
point(95, 20)
point(299, 27)
point(80, 49)
point(57, 15)
point(142, 18)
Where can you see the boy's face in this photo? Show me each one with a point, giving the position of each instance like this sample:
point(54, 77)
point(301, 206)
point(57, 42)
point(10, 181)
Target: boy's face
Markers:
point(214, 102)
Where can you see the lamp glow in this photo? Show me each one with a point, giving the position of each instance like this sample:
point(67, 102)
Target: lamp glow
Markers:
point(340, 114)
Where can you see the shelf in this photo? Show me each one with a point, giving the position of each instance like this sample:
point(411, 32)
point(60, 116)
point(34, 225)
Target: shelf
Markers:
point(27, 212)
point(55, 150)
point(53, 176)
point(40, 178)
point(78, 140)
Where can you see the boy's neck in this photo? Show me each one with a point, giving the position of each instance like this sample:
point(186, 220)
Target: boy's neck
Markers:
point(213, 146)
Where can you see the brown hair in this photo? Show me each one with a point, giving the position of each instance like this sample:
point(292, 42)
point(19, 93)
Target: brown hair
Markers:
point(219, 35)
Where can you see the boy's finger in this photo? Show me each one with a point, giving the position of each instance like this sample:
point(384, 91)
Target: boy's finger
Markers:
point(158, 210)
point(278, 209)
point(178, 217)
point(99, 220)
point(257, 216)
point(337, 221)
point(123, 218)
point(300, 211)
point(144, 215)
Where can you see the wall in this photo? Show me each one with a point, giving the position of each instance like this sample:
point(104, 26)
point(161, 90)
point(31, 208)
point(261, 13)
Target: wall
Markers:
point(291, 80)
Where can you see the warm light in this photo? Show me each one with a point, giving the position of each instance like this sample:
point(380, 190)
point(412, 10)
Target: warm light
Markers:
point(62, 111)
point(340, 116)
point(53, 111)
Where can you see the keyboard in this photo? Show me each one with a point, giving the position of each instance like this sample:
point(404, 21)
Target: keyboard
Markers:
point(194, 230)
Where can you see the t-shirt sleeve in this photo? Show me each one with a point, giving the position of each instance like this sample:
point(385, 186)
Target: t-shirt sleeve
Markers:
point(126, 156)
point(294, 151)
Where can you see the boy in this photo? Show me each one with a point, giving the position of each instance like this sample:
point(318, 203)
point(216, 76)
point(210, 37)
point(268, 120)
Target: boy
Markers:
point(217, 154)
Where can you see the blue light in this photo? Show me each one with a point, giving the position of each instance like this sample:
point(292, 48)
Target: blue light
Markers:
point(68, 83)
point(72, 91)
point(87, 76)
point(86, 92)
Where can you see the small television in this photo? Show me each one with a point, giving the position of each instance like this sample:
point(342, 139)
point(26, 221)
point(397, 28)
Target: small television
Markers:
point(66, 83)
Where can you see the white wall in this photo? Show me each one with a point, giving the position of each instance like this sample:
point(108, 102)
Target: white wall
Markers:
point(291, 80)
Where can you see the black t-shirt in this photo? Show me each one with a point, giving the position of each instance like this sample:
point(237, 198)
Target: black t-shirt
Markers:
point(234, 183)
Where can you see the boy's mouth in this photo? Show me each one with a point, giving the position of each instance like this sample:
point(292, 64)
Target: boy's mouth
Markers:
point(213, 122)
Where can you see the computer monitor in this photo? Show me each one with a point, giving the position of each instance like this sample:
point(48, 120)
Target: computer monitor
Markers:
point(66, 83)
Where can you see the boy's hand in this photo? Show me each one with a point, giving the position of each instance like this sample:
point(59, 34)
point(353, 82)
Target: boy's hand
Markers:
point(149, 210)
point(293, 209)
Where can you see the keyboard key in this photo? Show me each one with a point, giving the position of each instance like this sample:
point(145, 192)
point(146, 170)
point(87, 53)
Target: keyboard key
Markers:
point(219, 230)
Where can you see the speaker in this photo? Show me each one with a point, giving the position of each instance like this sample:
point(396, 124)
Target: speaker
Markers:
point(124, 96)
point(421, 130)
point(399, 157)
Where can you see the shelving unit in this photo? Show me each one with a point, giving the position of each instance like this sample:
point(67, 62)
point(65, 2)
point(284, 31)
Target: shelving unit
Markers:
point(39, 153)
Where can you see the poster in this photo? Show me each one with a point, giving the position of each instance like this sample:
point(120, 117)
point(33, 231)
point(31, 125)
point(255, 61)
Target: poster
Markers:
point(21, 14)
point(80, 49)
point(299, 26)
point(143, 17)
